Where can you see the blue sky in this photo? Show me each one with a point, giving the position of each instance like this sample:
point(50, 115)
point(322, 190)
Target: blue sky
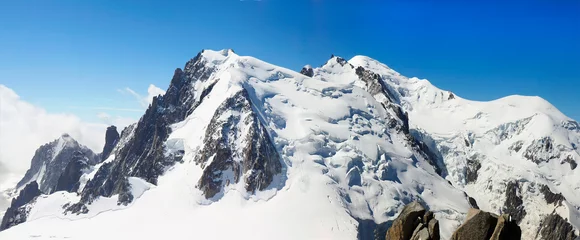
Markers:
point(80, 56)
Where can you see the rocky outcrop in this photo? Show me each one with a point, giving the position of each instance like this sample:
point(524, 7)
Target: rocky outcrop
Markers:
point(69, 180)
point(570, 160)
point(513, 205)
point(542, 150)
point(18, 210)
point(307, 70)
point(550, 197)
point(473, 166)
point(554, 227)
point(415, 223)
point(480, 225)
point(50, 161)
point(111, 139)
point(236, 146)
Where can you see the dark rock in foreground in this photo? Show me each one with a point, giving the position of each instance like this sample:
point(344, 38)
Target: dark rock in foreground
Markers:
point(414, 222)
point(480, 225)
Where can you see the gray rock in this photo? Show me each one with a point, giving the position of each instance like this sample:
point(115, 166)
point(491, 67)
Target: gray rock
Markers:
point(551, 197)
point(50, 161)
point(111, 139)
point(554, 227)
point(18, 212)
point(433, 227)
point(407, 221)
point(236, 153)
point(307, 70)
point(69, 179)
point(513, 205)
point(479, 225)
point(473, 166)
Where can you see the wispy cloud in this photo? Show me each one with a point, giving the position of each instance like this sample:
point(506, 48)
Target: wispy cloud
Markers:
point(144, 101)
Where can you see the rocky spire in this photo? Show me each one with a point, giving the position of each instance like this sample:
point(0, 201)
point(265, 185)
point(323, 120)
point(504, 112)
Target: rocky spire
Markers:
point(111, 139)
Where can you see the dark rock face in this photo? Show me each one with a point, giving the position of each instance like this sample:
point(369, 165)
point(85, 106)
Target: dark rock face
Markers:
point(473, 167)
point(143, 155)
point(237, 146)
point(480, 225)
point(50, 161)
point(473, 203)
point(111, 139)
point(18, 212)
point(551, 197)
point(570, 160)
point(451, 96)
point(514, 204)
point(69, 180)
point(554, 227)
point(308, 71)
point(542, 150)
point(414, 222)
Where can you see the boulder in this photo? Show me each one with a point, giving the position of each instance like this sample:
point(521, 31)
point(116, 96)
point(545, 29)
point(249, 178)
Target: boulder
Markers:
point(414, 222)
point(486, 226)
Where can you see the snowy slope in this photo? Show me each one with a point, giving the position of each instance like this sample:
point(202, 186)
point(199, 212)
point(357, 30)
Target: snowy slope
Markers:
point(516, 138)
point(348, 153)
point(343, 161)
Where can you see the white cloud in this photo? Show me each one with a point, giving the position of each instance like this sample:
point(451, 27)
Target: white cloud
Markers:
point(25, 127)
point(144, 101)
point(118, 121)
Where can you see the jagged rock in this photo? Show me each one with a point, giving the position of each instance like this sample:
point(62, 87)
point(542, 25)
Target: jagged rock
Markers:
point(473, 165)
point(554, 227)
point(542, 150)
point(353, 177)
point(480, 225)
point(551, 197)
point(514, 203)
point(414, 222)
point(307, 70)
point(570, 160)
point(50, 161)
point(238, 145)
point(433, 227)
point(69, 179)
point(18, 211)
point(143, 153)
point(451, 96)
point(111, 139)
point(473, 203)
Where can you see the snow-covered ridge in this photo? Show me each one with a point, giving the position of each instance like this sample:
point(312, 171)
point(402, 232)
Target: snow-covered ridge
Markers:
point(348, 139)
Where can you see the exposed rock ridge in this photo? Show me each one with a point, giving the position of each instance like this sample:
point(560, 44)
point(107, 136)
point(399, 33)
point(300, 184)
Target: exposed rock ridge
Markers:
point(237, 146)
point(18, 211)
point(144, 154)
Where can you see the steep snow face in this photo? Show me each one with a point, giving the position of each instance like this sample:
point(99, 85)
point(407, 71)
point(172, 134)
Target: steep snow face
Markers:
point(490, 147)
point(343, 147)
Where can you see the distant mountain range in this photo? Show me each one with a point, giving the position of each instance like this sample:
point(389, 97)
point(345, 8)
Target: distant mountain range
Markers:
point(240, 148)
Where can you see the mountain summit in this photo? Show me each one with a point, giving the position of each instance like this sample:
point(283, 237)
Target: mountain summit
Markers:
point(333, 152)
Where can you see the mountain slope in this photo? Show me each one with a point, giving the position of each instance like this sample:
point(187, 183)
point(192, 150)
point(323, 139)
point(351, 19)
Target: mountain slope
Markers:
point(333, 152)
point(51, 159)
point(512, 154)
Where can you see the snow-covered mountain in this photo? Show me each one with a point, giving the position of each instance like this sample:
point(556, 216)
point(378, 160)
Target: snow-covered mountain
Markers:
point(239, 147)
